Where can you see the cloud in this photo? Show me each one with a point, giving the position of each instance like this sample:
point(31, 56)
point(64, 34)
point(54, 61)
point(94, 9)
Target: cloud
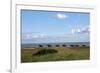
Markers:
point(26, 35)
point(86, 30)
point(33, 35)
point(73, 31)
point(61, 16)
point(30, 36)
point(80, 30)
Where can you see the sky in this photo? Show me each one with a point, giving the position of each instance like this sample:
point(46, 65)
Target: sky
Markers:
point(54, 26)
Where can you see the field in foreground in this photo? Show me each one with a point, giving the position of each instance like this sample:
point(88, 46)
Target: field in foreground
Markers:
point(62, 54)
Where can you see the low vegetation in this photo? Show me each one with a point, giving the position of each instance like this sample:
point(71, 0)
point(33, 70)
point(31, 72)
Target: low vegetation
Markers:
point(54, 54)
point(44, 52)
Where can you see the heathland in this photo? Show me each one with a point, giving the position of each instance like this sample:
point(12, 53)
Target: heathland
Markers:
point(55, 54)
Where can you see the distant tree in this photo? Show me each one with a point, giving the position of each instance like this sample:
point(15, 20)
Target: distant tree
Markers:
point(64, 45)
point(57, 45)
point(49, 45)
point(40, 45)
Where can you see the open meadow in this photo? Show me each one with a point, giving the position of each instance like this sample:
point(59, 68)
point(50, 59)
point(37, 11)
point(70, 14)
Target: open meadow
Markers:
point(54, 54)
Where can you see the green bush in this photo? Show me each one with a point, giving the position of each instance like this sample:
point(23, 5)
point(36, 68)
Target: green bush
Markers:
point(45, 52)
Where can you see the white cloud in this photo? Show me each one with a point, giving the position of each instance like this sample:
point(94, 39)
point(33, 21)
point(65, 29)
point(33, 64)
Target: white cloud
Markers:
point(42, 35)
point(26, 35)
point(61, 16)
point(80, 30)
point(33, 35)
point(73, 31)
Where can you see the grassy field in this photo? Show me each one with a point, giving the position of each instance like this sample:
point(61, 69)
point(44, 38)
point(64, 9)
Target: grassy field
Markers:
point(62, 54)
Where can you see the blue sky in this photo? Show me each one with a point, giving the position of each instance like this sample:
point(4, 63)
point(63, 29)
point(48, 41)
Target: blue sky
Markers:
point(48, 26)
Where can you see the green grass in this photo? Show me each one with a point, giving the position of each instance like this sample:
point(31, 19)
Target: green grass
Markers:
point(62, 54)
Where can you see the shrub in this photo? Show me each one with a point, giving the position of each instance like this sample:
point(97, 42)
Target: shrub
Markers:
point(45, 52)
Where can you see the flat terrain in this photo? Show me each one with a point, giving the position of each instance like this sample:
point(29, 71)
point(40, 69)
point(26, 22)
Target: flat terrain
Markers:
point(62, 54)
